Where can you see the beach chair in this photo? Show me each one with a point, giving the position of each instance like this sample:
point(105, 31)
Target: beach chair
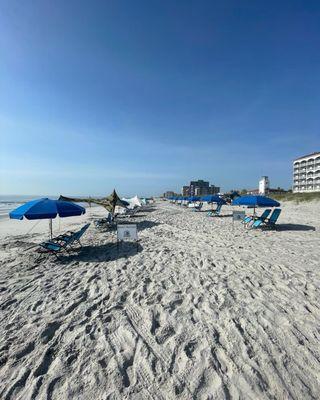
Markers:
point(215, 212)
point(71, 236)
point(197, 207)
point(268, 222)
point(252, 218)
point(62, 242)
point(108, 221)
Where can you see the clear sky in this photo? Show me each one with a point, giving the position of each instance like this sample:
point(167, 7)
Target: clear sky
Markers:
point(146, 95)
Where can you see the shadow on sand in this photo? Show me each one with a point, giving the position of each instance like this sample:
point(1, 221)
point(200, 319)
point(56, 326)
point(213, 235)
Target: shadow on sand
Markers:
point(103, 253)
point(141, 225)
point(147, 210)
point(294, 227)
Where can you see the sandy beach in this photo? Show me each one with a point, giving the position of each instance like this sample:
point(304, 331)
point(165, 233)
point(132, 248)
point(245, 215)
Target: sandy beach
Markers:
point(204, 309)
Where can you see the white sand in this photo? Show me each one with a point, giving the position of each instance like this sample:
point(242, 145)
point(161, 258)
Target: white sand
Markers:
point(204, 310)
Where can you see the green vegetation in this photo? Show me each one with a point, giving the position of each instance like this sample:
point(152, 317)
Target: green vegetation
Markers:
point(296, 197)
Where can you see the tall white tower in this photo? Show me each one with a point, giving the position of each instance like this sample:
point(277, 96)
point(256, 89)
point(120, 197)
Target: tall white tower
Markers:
point(264, 185)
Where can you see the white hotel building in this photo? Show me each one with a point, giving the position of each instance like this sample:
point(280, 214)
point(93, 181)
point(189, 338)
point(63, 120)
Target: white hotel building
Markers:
point(306, 173)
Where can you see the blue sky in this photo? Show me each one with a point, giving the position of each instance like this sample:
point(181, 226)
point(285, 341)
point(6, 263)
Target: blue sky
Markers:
point(146, 95)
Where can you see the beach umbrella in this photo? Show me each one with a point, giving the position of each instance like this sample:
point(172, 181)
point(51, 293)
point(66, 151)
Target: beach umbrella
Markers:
point(210, 198)
point(255, 201)
point(46, 209)
point(193, 198)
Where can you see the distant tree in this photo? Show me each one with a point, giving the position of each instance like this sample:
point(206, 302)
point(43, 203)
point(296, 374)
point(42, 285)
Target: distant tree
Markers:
point(243, 191)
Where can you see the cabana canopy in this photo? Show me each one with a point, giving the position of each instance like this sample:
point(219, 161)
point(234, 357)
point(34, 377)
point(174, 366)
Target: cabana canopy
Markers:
point(109, 202)
point(134, 201)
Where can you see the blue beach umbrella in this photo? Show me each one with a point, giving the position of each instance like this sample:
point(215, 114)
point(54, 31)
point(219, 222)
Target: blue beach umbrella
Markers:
point(255, 201)
point(47, 209)
point(210, 198)
point(193, 198)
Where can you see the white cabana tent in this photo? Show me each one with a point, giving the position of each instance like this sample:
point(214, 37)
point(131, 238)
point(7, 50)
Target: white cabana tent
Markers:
point(134, 202)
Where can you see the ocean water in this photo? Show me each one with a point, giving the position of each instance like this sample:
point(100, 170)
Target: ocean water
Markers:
point(9, 203)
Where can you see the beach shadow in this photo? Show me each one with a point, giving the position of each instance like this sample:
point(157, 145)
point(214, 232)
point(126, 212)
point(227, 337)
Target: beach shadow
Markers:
point(141, 225)
point(146, 225)
point(220, 216)
point(148, 209)
point(103, 253)
point(137, 216)
point(294, 227)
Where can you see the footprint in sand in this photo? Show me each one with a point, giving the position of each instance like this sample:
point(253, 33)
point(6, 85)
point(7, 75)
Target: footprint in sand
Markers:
point(50, 331)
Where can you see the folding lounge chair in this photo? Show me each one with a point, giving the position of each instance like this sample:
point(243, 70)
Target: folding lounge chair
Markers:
point(253, 218)
point(215, 212)
point(268, 222)
point(198, 207)
point(76, 236)
point(104, 221)
point(62, 242)
point(55, 247)
point(246, 220)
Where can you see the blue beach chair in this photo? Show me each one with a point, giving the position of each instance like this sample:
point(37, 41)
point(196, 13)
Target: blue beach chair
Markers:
point(62, 242)
point(197, 207)
point(71, 236)
point(268, 222)
point(107, 221)
point(215, 212)
point(253, 218)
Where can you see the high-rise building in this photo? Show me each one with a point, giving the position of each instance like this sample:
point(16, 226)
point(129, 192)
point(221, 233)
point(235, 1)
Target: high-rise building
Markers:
point(306, 173)
point(198, 188)
point(201, 188)
point(214, 189)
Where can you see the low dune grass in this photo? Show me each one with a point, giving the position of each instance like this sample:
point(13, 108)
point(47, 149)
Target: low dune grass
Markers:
point(296, 197)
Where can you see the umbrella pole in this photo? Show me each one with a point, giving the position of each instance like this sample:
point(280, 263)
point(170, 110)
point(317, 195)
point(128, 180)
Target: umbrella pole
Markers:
point(50, 227)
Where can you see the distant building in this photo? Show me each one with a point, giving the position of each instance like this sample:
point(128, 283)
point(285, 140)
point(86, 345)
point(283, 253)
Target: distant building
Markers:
point(252, 191)
point(202, 188)
point(214, 189)
point(185, 191)
point(169, 194)
point(306, 173)
point(264, 185)
point(264, 188)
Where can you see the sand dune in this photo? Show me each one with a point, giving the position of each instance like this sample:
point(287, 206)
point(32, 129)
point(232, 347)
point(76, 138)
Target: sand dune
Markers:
point(204, 309)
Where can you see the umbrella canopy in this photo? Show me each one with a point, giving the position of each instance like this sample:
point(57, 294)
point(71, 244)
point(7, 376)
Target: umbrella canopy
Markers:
point(213, 199)
point(45, 209)
point(194, 198)
point(255, 201)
